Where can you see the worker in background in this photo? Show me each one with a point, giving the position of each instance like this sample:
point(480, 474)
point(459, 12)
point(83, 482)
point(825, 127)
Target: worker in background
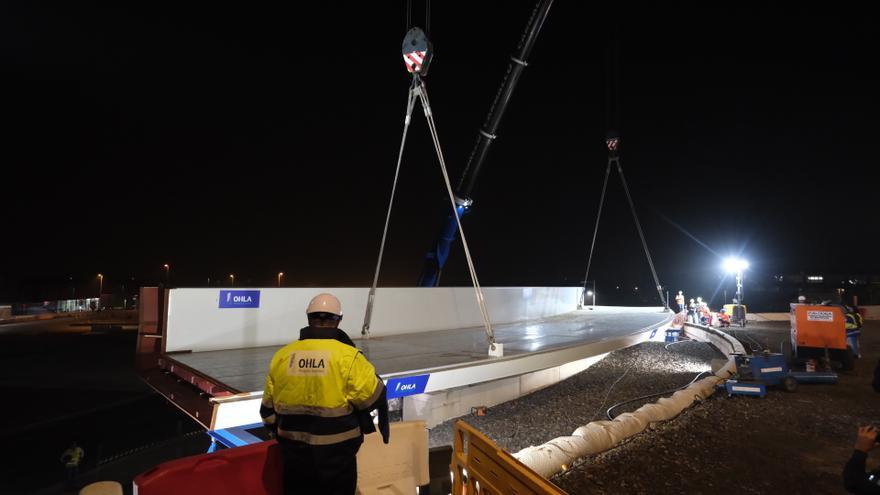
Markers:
point(692, 312)
point(705, 315)
point(679, 300)
point(855, 478)
point(318, 395)
point(71, 459)
point(723, 318)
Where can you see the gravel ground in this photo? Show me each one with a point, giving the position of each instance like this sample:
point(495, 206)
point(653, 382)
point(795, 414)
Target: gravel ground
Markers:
point(639, 370)
point(794, 443)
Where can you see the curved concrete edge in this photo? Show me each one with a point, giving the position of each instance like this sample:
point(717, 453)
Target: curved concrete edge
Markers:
point(556, 455)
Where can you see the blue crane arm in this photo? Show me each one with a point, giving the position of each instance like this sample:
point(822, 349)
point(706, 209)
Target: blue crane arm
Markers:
point(435, 259)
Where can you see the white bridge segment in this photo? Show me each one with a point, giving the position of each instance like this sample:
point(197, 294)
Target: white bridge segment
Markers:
point(564, 345)
point(197, 323)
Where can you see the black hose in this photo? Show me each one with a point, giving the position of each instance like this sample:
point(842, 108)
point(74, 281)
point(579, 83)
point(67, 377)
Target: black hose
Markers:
point(615, 406)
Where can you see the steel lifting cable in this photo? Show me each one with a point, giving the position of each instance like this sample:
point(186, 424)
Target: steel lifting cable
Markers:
point(368, 316)
point(639, 228)
point(616, 162)
point(417, 90)
point(481, 301)
point(595, 231)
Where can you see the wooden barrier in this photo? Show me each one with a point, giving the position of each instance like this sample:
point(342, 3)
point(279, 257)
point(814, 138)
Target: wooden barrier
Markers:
point(479, 467)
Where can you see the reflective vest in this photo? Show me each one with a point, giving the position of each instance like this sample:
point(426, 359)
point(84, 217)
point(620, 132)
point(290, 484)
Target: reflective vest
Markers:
point(315, 388)
point(72, 457)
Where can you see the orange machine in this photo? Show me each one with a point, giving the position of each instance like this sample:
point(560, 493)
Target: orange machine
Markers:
point(818, 327)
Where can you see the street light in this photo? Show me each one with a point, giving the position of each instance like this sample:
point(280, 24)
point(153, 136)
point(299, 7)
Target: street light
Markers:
point(232, 279)
point(167, 272)
point(737, 266)
point(280, 274)
point(592, 294)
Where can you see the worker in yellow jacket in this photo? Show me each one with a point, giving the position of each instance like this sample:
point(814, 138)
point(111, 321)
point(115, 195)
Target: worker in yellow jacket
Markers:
point(317, 391)
point(71, 458)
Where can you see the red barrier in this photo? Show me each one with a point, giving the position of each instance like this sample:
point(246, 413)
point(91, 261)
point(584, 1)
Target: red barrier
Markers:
point(252, 469)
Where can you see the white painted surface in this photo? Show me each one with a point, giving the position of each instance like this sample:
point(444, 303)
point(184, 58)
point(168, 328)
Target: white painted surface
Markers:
point(197, 323)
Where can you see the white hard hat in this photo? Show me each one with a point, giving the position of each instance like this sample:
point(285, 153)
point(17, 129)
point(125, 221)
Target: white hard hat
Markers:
point(325, 303)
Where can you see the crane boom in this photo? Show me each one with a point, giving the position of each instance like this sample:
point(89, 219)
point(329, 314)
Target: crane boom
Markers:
point(435, 259)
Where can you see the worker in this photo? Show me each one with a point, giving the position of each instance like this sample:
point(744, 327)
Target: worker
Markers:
point(71, 459)
point(855, 478)
point(319, 391)
point(723, 318)
point(692, 312)
point(679, 300)
point(705, 315)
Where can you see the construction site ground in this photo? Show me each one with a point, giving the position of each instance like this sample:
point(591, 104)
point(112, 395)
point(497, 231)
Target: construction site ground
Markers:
point(785, 442)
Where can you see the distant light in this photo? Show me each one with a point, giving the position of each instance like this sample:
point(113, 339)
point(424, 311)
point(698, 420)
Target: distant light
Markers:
point(589, 293)
point(815, 278)
point(733, 264)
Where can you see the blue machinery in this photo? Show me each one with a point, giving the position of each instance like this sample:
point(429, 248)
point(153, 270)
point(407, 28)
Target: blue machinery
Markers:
point(436, 258)
point(756, 372)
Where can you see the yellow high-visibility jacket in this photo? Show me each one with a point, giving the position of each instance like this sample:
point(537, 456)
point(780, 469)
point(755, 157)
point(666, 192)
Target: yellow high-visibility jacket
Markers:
point(72, 456)
point(316, 386)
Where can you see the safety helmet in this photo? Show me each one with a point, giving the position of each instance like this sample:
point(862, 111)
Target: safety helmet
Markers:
point(325, 303)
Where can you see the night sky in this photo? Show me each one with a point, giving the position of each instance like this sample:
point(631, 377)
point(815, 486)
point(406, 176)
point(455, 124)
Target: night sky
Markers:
point(252, 140)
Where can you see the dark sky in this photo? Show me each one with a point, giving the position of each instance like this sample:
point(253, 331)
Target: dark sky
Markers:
point(252, 140)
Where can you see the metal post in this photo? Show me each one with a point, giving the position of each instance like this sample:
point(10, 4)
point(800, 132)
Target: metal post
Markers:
point(739, 287)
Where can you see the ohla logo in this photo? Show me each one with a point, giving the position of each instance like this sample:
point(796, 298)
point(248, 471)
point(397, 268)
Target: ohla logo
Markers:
point(238, 298)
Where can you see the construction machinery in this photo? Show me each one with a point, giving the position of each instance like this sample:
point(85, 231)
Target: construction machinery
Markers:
point(756, 372)
point(820, 331)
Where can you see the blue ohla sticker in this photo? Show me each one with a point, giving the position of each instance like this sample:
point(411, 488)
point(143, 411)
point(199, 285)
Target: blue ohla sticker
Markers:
point(410, 385)
point(239, 299)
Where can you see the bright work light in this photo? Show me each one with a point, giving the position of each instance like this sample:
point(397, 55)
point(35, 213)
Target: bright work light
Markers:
point(733, 265)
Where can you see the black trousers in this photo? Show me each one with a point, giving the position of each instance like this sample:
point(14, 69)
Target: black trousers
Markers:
point(320, 469)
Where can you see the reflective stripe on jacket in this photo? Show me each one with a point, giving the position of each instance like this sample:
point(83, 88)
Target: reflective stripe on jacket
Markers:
point(315, 388)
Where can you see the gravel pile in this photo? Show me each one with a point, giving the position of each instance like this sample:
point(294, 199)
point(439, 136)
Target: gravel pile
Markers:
point(561, 408)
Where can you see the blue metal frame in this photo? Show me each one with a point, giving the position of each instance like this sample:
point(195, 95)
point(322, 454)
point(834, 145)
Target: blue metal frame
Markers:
point(237, 436)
